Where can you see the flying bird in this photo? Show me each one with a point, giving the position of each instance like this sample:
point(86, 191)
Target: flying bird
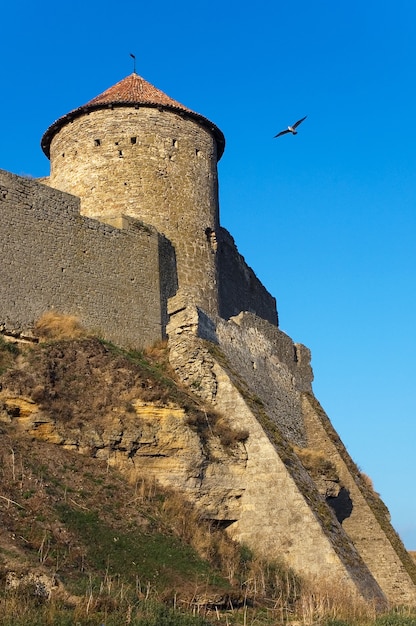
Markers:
point(291, 129)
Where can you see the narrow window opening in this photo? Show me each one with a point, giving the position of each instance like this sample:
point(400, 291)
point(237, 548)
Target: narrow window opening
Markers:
point(120, 153)
point(197, 152)
point(175, 143)
point(133, 140)
point(97, 142)
point(211, 238)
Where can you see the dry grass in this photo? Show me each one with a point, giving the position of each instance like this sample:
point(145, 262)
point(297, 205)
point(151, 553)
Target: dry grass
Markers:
point(54, 325)
point(188, 524)
point(323, 600)
point(260, 583)
point(367, 480)
point(158, 353)
point(316, 462)
point(229, 435)
point(208, 423)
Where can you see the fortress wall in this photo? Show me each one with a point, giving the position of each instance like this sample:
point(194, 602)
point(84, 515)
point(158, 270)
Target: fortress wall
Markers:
point(368, 520)
point(239, 287)
point(277, 372)
point(274, 506)
point(275, 369)
point(155, 165)
point(51, 257)
point(280, 513)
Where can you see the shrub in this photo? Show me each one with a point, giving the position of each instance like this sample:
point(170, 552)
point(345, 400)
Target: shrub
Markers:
point(316, 462)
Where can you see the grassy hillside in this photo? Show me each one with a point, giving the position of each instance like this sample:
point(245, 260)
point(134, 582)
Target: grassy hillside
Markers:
point(79, 539)
point(80, 544)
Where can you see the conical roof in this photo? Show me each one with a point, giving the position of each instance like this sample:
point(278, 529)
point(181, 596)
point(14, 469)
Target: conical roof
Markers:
point(132, 91)
point(135, 90)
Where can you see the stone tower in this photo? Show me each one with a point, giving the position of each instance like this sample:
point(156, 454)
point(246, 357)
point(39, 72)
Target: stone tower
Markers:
point(134, 151)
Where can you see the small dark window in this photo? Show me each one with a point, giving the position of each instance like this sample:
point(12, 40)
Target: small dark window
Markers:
point(211, 238)
point(175, 143)
point(133, 140)
point(120, 153)
point(97, 142)
point(197, 152)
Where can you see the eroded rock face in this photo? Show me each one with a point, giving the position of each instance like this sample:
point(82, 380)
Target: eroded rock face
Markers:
point(40, 584)
point(82, 399)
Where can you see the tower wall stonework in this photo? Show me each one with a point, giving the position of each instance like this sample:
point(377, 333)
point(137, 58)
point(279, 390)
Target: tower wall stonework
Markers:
point(154, 165)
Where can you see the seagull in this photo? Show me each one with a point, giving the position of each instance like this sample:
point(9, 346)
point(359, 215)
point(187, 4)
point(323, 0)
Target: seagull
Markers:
point(291, 129)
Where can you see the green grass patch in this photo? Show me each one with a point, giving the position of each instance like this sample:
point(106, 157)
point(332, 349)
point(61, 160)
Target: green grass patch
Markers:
point(396, 619)
point(8, 353)
point(145, 613)
point(160, 559)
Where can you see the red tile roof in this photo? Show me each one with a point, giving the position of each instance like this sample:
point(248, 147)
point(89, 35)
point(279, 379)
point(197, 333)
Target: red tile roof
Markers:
point(132, 91)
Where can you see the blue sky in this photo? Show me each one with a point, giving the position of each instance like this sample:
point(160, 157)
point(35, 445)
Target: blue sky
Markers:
point(326, 219)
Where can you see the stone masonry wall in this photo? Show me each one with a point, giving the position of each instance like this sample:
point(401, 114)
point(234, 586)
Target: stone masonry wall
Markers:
point(278, 373)
point(51, 257)
point(239, 287)
point(275, 369)
point(157, 166)
point(280, 513)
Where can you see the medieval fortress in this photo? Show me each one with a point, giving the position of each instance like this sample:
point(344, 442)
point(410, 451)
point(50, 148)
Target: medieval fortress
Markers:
point(125, 234)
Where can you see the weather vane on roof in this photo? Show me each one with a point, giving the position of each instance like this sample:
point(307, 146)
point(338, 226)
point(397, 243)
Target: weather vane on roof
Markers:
point(134, 62)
